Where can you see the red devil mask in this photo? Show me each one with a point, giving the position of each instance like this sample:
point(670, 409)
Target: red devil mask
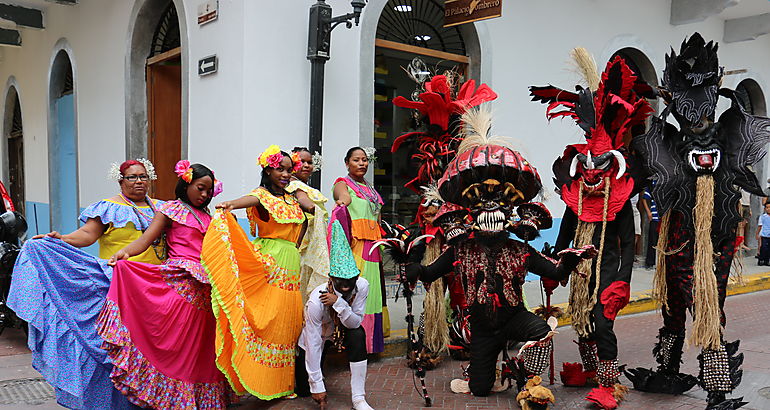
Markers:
point(599, 167)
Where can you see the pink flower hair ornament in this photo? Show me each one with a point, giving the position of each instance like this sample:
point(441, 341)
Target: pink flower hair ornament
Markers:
point(184, 170)
point(217, 188)
point(271, 157)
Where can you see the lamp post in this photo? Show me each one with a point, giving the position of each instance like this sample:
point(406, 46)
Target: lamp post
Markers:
point(320, 28)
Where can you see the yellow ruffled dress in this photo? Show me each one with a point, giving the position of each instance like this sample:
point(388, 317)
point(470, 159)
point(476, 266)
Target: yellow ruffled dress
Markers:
point(256, 295)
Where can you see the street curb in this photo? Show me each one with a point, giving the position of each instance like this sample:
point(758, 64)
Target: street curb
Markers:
point(643, 302)
point(396, 344)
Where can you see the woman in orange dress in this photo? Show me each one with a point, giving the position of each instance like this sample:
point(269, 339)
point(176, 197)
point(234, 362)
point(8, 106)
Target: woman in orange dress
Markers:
point(256, 285)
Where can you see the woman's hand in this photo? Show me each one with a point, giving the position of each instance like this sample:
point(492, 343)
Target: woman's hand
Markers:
point(54, 234)
point(118, 256)
point(227, 206)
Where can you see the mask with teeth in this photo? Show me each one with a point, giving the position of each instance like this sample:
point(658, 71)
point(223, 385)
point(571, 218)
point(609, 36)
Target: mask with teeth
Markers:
point(491, 204)
point(725, 149)
point(533, 216)
point(585, 173)
point(702, 153)
point(454, 221)
point(488, 177)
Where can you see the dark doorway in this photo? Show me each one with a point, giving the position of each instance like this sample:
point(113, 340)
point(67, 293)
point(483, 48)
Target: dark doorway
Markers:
point(14, 132)
point(164, 103)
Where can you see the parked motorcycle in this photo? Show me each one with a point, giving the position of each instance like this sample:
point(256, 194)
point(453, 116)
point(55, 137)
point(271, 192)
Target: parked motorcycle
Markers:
point(13, 227)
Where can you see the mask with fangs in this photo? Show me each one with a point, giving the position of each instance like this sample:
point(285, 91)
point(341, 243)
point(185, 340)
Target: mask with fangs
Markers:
point(595, 176)
point(454, 221)
point(533, 217)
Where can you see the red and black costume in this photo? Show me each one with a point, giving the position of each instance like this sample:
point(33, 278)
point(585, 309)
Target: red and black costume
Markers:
point(438, 102)
point(698, 169)
point(490, 180)
point(596, 180)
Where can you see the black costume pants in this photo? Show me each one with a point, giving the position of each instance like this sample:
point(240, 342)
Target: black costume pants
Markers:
point(603, 328)
point(488, 338)
point(355, 349)
point(679, 277)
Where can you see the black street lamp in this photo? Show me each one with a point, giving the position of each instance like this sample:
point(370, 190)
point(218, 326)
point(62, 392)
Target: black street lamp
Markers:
point(318, 45)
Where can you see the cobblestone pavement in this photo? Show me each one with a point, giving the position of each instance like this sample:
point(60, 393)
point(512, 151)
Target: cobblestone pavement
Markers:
point(390, 384)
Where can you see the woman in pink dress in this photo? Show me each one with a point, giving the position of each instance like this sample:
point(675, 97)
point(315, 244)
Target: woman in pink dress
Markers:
point(157, 322)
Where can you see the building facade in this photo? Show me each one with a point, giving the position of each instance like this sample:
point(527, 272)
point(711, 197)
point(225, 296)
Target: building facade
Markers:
point(105, 80)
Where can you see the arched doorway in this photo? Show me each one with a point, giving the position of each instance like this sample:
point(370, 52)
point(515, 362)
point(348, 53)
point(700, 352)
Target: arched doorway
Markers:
point(164, 102)
point(409, 29)
point(642, 67)
point(156, 91)
point(62, 146)
point(13, 131)
point(752, 98)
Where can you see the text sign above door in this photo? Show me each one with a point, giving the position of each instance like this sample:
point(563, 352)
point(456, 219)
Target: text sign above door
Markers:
point(207, 65)
point(467, 11)
point(208, 11)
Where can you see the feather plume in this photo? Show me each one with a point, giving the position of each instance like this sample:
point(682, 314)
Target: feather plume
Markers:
point(477, 130)
point(430, 193)
point(585, 65)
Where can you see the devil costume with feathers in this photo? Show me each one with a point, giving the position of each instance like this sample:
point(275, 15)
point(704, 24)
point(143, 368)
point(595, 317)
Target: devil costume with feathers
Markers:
point(596, 180)
point(490, 179)
point(698, 169)
point(438, 102)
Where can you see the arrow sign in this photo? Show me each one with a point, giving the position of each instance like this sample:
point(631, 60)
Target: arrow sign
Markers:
point(207, 65)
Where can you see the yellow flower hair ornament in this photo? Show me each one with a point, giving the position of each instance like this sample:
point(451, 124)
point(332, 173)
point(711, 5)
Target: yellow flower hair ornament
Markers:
point(271, 157)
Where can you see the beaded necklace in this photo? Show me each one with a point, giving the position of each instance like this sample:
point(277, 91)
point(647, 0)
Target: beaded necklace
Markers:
point(159, 244)
point(370, 194)
point(138, 210)
point(197, 218)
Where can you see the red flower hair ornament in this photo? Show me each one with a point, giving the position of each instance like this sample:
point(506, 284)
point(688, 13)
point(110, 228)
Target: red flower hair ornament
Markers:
point(184, 170)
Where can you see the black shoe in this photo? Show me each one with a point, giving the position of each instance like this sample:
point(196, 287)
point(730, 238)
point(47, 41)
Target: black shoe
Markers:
point(648, 380)
point(717, 401)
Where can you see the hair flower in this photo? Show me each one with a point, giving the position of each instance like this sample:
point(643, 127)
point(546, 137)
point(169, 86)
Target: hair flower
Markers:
point(217, 188)
point(184, 171)
point(271, 157)
point(295, 158)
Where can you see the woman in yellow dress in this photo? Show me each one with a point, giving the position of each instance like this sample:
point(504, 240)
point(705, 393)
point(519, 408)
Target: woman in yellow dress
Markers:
point(59, 289)
point(256, 286)
point(314, 260)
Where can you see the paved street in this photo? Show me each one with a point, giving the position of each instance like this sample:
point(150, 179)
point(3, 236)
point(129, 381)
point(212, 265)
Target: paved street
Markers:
point(390, 383)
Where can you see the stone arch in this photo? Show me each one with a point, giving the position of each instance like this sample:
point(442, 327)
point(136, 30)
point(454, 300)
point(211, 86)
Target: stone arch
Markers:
point(144, 19)
point(63, 139)
point(13, 145)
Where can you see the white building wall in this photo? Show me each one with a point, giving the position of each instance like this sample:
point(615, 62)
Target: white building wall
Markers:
point(260, 95)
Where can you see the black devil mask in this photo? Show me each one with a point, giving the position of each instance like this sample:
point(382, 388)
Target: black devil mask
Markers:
point(692, 81)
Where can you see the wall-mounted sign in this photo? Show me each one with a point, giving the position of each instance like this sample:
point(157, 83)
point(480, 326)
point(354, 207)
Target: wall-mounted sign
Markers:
point(207, 65)
point(467, 11)
point(208, 11)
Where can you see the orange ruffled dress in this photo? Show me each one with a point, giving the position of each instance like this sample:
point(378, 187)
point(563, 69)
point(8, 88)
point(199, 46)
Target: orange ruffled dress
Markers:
point(256, 295)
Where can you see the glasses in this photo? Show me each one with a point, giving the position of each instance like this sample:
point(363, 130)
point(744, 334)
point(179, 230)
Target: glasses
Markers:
point(134, 178)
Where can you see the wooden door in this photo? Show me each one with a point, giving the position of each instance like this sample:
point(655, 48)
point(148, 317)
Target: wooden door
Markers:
point(164, 116)
point(16, 170)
